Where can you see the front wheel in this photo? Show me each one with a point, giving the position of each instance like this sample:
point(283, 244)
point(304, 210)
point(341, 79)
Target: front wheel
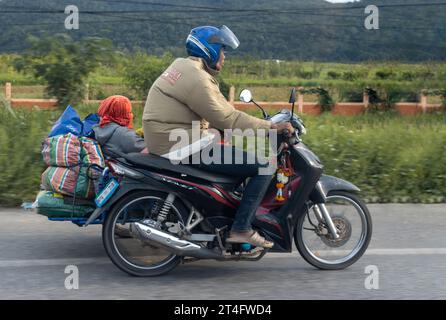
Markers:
point(353, 223)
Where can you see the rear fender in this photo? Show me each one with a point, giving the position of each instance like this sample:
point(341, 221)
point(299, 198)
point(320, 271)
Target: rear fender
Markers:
point(121, 192)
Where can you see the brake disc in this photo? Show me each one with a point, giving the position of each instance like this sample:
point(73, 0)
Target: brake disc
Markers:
point(344, 228)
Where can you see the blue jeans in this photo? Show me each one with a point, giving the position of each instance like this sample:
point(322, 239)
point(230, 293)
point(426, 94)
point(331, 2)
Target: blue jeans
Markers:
point(255, 189)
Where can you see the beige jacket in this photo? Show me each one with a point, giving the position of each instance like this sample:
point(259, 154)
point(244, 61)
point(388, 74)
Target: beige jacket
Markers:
point(187, 92)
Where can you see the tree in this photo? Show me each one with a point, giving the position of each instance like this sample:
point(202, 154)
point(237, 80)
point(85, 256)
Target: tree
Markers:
point(142, 70)
point(64, 64)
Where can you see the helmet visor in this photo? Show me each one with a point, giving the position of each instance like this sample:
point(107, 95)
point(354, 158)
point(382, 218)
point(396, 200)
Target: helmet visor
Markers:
point(225, 37)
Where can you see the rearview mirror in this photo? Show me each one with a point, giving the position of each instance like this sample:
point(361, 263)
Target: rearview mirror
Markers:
point(245, 96)
point(293, 95)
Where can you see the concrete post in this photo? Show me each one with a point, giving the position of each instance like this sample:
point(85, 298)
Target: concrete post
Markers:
point(300, 100)
point(232, 94)
point(8, 91)
point(423, 102)
point(366, 99)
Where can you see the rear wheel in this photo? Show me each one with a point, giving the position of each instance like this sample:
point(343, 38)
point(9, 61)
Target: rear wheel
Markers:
point(130, 254)
point(353, 223)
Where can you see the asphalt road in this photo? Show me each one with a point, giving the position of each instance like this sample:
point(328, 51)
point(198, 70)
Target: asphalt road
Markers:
point(408, 248)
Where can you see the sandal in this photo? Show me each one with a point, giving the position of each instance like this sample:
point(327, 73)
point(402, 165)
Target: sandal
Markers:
point(252, 238)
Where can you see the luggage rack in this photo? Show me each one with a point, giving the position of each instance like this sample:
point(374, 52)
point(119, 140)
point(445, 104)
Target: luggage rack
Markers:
point(80, 221)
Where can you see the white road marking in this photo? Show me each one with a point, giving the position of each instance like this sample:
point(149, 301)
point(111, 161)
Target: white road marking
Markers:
point(406, 251)
point(372, 252)
point(294, 254)
point(52, 262)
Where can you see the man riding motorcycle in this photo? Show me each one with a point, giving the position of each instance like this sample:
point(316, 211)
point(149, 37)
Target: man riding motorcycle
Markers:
point(188, 91)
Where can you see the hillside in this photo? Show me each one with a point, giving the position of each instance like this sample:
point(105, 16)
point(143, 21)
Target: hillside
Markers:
point(279, 29)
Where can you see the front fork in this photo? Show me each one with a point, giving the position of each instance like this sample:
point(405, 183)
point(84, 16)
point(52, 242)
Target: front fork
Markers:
point(323, 216)
point(321, 212)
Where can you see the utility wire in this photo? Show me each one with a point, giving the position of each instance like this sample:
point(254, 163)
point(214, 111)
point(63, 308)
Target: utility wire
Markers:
point(327, 7)
point(170, 19)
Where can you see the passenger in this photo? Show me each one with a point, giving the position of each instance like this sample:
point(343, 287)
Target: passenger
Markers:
point(115, 132)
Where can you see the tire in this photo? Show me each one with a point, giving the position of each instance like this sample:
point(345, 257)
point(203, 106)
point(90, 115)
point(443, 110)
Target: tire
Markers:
point(304, 252)
point(111, 248)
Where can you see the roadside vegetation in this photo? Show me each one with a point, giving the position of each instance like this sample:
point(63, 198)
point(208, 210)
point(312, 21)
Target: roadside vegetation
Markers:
point(391, 158)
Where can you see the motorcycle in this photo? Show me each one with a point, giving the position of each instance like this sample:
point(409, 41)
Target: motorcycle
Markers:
point(158, 214)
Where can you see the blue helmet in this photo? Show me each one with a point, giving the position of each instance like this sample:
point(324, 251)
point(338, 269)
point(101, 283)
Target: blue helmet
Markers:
point(206, 42)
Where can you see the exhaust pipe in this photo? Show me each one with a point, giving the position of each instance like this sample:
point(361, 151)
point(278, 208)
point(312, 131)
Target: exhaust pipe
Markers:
point(171, 243)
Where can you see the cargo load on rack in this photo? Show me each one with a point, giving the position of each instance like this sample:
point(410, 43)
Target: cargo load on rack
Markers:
point(54, 205)
point(69, 181)
point(69, 150)
point(75, 163)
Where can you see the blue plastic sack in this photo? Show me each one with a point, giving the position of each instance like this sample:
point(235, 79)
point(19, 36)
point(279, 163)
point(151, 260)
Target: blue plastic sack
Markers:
point(89, 121)
point(70, 122)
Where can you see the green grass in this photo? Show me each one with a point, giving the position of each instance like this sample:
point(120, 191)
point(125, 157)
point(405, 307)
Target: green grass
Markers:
point(391, 159)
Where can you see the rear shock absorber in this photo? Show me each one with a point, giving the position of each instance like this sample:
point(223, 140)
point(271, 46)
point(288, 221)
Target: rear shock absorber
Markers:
point(162, 215)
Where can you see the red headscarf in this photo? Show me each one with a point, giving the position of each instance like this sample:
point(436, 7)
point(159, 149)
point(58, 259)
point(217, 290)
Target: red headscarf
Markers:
point(117, 109)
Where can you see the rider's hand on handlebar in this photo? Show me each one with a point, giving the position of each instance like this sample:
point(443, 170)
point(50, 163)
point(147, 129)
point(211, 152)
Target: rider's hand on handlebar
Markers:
point(283, 127)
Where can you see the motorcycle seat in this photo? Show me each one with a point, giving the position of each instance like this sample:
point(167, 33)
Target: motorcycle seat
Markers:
point(151, 161)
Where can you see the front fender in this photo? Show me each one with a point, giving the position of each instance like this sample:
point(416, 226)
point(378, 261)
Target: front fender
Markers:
point(330, 183)
point(327, 184)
